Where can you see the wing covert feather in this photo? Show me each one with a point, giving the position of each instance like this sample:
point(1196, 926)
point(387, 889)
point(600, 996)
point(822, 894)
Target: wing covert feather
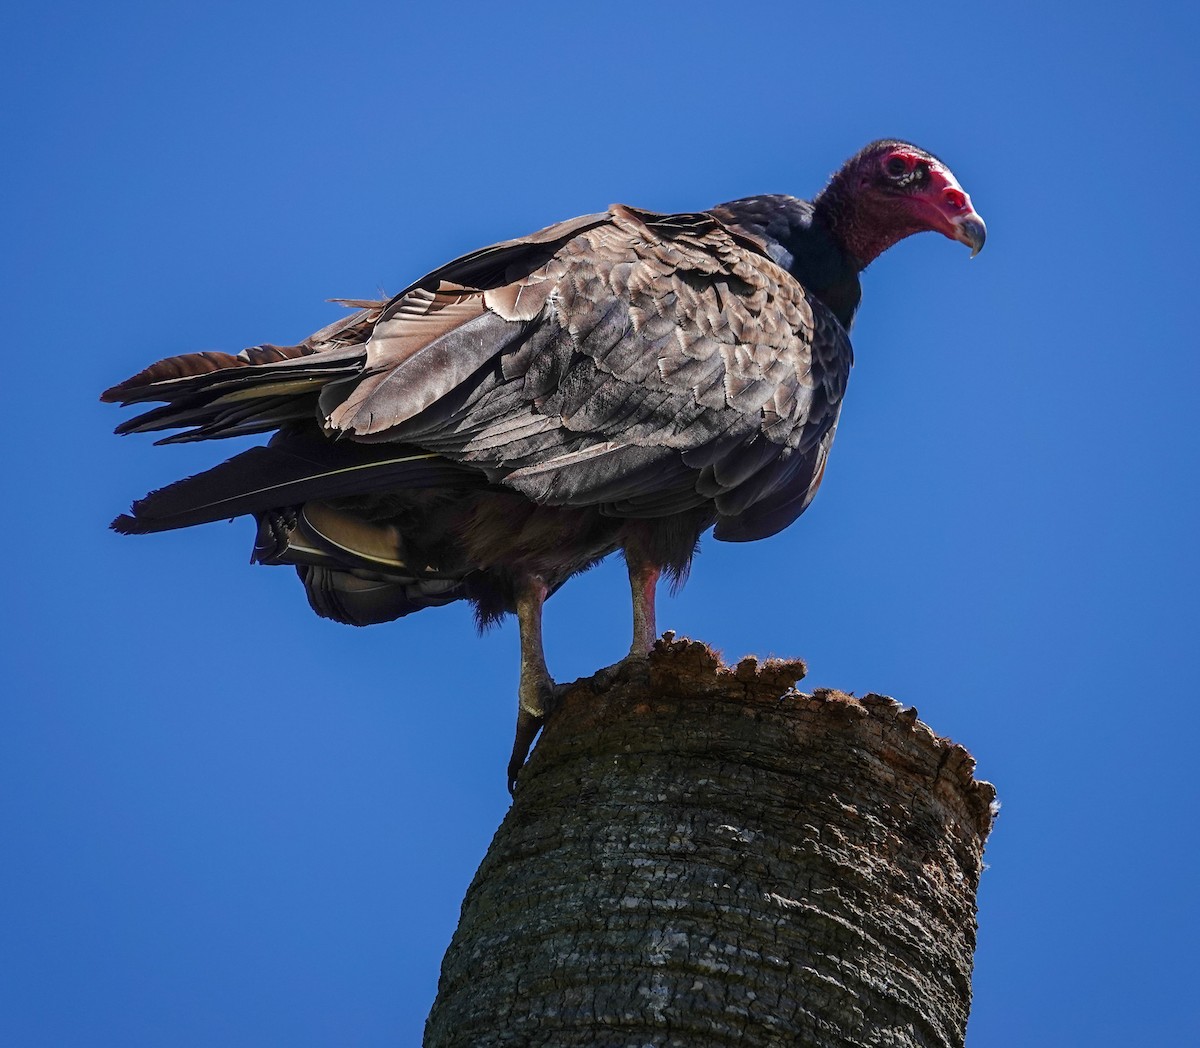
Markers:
point(644, 362)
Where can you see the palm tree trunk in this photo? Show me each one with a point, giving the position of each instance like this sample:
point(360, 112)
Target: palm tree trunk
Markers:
point(701, 857)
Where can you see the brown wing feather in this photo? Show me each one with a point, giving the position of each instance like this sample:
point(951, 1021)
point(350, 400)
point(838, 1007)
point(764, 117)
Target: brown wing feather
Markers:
point(640, 340)
point(632, 360)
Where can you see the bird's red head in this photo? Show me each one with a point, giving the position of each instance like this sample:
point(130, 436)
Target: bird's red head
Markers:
point(890, 190)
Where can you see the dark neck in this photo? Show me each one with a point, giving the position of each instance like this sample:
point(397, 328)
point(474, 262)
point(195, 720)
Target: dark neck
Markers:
point(794, 237)
point(864, 225)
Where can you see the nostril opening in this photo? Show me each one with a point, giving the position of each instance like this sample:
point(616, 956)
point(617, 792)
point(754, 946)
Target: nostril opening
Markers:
point(955, 198)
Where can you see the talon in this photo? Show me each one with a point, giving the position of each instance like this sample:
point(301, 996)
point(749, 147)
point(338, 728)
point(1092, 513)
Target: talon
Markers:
point(536, 687)
point(634, 662)
point(541, 700)
point(528, 726)
point(275, 529)
point(281, 523)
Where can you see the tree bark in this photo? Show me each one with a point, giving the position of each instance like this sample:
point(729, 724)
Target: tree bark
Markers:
point(700, 856)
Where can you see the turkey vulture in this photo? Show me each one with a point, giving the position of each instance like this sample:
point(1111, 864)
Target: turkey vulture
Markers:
point(624, 380)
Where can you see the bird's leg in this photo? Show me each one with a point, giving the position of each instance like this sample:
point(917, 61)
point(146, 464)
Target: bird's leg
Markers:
point(536, 686)
point(643, 584)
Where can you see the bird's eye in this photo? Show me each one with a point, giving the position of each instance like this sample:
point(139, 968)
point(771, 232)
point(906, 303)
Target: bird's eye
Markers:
point(896, 166)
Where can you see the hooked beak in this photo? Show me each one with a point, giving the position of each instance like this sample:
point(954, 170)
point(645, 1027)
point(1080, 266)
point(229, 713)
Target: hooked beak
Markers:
point(970, 230)
point(953, 213)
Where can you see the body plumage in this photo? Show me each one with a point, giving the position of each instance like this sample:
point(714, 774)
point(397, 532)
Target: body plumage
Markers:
point(625, 380)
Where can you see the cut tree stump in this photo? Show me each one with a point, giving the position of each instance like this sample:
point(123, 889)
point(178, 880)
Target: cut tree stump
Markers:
point(702, 856)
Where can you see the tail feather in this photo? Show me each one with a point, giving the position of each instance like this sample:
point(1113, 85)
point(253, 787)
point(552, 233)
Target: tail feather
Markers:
point(292, 469)
point(169, 378)
point(171, 372)
point(265, 419)
point(192, 372)
point(345, 597)
point(239, 399)
point(230, 378)
point(214, 420)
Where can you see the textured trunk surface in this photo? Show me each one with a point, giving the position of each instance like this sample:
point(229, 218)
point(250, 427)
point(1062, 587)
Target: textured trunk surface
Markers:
point(700, 856)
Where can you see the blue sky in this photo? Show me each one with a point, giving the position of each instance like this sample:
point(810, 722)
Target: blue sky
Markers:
point(228, 822)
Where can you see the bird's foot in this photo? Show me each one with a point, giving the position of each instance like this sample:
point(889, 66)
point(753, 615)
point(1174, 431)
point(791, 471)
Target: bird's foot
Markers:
point(528, 725)
point(275, 529)
point(282, 522)
point(635, 663)
point(536, 697)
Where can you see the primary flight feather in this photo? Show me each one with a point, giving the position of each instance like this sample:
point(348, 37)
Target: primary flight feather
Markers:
point(623, 380)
